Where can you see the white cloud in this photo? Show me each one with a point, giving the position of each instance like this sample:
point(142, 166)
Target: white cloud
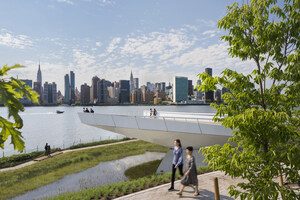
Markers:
point(98, 44)
point(83, 59)
point(113, 44)
point(14, 41)
point(66, 1)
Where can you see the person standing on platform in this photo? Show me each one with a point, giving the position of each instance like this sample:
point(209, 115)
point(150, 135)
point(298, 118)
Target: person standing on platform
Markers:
point(177, 162)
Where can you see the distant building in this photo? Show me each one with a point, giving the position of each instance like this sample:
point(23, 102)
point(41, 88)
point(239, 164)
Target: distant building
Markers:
point(67, 89)
point(136, 83)
point(124, 91)
point(72, 88)
point(85, 94)
point(157, 86)
point(190, 88)
point(131, 82)
point(217, 95)
point(160, 94)
point(50, 93)
point(147, 95)
point(199, 94)
point(224, 90)
point(150, 86)
point(111, 92)
point(113, 98)
point(39, 74)
point(93, 93)
point(136, 96)
point(209, 95)
point(59, 97)
point(77, 94)
point(37, 86)
point(163, 86)
point(102, 91)
point(180, 89)
point(25, 100)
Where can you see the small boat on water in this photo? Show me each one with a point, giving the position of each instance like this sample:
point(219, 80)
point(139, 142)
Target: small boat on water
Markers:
point(60, 112)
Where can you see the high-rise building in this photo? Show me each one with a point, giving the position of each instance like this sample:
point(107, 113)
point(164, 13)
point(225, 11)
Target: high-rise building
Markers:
point(136, 83)
point(72, 88)
point(180, 89)
point(25, 100)
point(67, 89)
point(190, 88)
point(136, 96)
point(157, 87)
point(199, 92)
point(163, 86)
point(150, 86)
point(93, 93)
point(50, 93)
point(124, 91)
point(85, 94)
point(102, 91)
point(209, 95)
point(37, 86)
point(147, 95)
point(111, 92)
point(217, 95)
point(39, 74)
point(131, 83)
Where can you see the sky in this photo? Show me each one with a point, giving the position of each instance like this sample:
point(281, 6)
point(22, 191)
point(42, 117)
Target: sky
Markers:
point(156, 40)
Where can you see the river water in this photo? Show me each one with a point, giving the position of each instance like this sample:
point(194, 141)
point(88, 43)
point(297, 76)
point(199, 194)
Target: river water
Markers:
point(42, 124)
point(102, 174)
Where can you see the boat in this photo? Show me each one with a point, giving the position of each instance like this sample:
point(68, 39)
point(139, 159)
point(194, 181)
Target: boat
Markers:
point(60, 112)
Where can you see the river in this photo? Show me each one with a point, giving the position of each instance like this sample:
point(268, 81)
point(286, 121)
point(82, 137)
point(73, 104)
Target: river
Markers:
point(42, 124)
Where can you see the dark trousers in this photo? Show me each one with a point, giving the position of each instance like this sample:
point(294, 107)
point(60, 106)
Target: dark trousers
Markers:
point(174, 171)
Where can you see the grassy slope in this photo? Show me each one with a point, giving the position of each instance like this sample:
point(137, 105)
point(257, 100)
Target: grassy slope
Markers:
point(123, 188)
point(13, 183)
point(142, 170)
point(14, 160)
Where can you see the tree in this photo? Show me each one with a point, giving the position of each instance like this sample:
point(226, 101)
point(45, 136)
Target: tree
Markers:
point(11, 91)
point(264, 117)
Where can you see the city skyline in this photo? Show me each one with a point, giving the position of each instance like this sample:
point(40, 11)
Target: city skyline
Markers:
point(170, 38)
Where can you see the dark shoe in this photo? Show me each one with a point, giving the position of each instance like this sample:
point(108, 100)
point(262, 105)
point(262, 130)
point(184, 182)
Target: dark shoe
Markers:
point(171, 189)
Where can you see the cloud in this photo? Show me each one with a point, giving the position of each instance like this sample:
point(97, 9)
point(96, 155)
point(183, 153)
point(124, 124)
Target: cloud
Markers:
point(83, 59)
point(113, 44)
point(209, 23)
point(66, 1)
point(98, 44)
point(14, 41)
point(210, 33)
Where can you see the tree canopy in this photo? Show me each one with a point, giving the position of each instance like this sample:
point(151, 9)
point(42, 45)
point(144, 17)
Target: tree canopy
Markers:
point(264, 117)
point(11, 91)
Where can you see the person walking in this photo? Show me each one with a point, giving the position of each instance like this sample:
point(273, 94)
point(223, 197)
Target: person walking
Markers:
point(46, 149)
point(177, 162)
point(150, 112)
point(154, 112)
point(190, 176)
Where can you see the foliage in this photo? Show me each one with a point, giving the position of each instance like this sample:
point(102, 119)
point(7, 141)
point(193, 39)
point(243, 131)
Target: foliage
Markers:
point(81, 145)
point(19, 181)
point(122, 188)
point(265, 120)
point(11, 91)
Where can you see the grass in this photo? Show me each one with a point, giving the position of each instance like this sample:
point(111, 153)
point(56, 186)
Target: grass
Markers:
point(123, 188)
point(142, 170)
point(15, 160)
point(19, 181)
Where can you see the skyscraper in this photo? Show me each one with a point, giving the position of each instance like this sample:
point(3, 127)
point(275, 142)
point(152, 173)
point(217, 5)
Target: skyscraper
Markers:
point(190, 88)
point(39, 74)
point(102, 91)
point(163, 86)
point(67, 89)
point(180, 89)
point(84, 94)
point(131, 83)
point(124, 91)
point(93, 93)
point(50, 93)
point(25, 100)
point(209, 95)
point(136, 83)
point(72, 88)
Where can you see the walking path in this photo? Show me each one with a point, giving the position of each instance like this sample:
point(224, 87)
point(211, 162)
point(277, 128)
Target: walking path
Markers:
point(206, 189)
point(64, 151)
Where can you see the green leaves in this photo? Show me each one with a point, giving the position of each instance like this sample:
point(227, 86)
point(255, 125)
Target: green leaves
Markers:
point(265, 118)
point(11, 91)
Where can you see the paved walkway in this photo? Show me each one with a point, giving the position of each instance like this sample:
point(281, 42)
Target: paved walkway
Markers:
point(64, 151)
point(206, 189)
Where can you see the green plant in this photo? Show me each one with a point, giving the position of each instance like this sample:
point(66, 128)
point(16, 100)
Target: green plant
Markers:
point(264, 117)
point(11, 91)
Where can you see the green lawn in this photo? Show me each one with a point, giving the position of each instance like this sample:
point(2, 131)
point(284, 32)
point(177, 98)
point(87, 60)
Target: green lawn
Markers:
point(16, 182)
point(14, 160)
point(123, 188)
point(142, 170)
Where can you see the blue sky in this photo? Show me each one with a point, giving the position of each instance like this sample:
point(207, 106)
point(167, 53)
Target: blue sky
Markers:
point(109, 38)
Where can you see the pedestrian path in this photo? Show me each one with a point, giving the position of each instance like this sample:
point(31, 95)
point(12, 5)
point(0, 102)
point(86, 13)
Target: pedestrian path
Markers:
point(45, 157)
point(206, 189)
point(64, 151)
